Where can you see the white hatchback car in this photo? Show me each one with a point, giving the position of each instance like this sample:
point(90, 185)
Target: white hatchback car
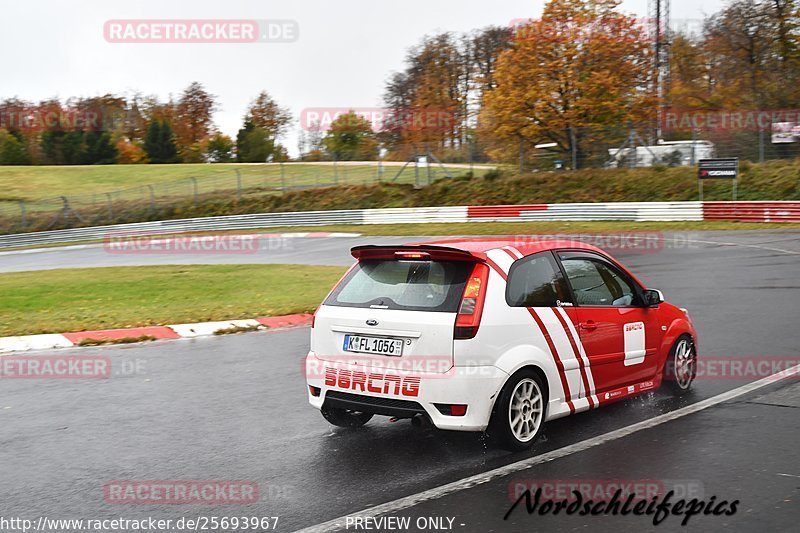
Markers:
point(484, 334)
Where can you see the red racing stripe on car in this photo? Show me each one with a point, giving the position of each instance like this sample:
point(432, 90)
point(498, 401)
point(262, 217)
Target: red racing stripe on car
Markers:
point(578, 357)
point(562, 373)
point(553, 352)
point(516, 254)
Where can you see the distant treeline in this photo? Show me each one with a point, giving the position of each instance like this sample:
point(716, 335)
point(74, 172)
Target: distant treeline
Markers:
point(573, 79)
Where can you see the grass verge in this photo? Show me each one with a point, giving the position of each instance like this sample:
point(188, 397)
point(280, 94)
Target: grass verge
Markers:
point(32, 183)
point(121, 297)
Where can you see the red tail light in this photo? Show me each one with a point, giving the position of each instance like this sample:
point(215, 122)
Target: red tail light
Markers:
point(471, 307)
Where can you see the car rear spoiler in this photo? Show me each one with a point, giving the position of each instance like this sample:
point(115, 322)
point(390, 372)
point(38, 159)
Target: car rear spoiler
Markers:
point(415, 251)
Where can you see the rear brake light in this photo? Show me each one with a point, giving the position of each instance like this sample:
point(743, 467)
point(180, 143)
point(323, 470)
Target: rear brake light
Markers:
point(471, 307)
point(412, 255)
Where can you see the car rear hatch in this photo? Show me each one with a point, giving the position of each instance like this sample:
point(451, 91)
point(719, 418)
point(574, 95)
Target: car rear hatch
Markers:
point(396, 309)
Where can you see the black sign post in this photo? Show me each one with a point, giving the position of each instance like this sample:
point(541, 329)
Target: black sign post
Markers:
point(718, 169)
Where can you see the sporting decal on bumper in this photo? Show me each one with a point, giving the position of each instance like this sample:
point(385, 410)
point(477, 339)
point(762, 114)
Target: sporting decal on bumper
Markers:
point(372, 382)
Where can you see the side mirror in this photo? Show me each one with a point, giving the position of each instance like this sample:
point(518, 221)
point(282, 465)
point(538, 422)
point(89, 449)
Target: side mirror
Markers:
point(653, 297)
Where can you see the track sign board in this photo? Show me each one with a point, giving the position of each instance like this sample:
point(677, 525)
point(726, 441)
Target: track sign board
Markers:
point(727, 169)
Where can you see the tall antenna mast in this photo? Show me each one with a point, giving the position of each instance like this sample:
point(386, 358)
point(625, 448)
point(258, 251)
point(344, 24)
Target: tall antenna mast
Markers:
point(660, 31)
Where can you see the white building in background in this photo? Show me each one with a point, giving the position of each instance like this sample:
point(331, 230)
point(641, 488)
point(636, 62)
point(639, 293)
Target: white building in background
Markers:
point(673, 153)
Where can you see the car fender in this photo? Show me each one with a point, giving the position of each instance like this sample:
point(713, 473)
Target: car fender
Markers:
point(529, 355)
point(675, 329)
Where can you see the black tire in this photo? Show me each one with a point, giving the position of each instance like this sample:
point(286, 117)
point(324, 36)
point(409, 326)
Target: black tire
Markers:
point(345, 418)
point(680, 368)
point(500, 427)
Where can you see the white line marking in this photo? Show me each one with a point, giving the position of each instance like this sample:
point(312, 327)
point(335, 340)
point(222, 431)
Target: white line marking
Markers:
point(432, 494)
point(51, 249)
point(756, 246)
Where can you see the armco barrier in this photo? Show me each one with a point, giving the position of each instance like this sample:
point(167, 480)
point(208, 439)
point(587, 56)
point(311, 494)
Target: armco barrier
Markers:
point(752, 211)
point(631, 211)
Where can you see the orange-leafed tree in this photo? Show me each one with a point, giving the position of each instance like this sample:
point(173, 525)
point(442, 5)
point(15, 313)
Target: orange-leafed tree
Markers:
point(693, 80)
point(582, 67)
point(193, 121)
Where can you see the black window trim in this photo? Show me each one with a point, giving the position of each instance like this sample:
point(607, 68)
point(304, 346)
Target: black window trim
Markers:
point(560, 270)
point(596, 256)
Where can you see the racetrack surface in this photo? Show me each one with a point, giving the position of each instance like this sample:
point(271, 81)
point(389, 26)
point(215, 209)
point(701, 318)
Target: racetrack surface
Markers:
point(234, 407)
point(335, 250)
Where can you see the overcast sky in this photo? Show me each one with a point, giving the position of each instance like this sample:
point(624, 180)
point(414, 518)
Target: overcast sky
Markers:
point(345, 51)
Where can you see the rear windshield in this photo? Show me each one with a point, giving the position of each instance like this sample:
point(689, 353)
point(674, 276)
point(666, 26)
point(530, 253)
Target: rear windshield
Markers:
point(408, 285)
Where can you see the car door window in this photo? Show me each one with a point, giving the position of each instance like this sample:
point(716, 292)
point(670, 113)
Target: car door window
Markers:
point(536, 281)
point(595, 283)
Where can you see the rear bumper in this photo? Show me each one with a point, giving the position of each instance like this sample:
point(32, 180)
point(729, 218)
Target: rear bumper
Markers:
point(475, 386)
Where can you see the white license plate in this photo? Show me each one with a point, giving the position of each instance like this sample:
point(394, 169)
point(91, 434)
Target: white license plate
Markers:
point(377, 345)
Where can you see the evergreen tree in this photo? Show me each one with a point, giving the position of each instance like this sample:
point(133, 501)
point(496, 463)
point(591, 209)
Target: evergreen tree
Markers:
point(159, 142)
point(12, 149)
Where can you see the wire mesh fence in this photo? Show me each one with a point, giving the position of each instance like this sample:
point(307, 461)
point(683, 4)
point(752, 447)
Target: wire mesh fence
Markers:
point(212, 192)
point(223, 189)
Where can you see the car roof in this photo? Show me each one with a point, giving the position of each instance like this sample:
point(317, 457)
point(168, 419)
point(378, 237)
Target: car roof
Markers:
point(525, 244)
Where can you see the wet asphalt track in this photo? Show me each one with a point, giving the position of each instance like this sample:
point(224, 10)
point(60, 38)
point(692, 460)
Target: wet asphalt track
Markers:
point(234, 408)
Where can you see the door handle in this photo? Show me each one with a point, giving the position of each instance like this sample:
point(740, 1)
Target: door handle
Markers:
point(589, 325)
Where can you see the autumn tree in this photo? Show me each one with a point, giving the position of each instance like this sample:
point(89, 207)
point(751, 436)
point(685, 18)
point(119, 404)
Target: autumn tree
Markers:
point(753, 48)
point(693, 81)
point(581, 67)
point(130, 152)
point(193, 121)
point(264, 122)
point(310, 143)
point(351, 138)
point(434, 101)
point(265, 113)
point(219, 148)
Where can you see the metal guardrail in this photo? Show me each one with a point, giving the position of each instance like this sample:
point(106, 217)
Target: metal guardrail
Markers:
point(232, 222)
point(752, 211)
point(630, 211)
